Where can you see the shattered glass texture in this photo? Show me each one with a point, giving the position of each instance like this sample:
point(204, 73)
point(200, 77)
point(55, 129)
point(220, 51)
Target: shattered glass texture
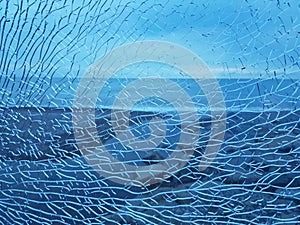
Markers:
point(253, 49)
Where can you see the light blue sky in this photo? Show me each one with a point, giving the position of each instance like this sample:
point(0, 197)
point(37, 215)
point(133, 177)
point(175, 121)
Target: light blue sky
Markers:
point(235, 38)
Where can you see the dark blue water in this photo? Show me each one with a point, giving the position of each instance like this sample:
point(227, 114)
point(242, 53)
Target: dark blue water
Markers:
point(40, 162)
point(239, 94)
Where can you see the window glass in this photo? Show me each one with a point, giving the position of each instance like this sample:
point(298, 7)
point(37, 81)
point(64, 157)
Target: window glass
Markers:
point(149, 112)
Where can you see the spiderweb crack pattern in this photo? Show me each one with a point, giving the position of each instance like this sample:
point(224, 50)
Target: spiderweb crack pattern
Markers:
point(252, 47)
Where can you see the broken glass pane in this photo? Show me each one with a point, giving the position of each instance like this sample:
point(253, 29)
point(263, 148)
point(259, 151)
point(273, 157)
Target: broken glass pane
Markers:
point(131, 112)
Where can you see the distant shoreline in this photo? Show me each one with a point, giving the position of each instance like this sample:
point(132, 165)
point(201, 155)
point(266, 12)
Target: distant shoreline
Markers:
point(239, 94)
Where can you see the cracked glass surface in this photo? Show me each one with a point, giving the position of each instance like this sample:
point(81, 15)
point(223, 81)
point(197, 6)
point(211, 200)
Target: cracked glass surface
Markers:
point(252, 49)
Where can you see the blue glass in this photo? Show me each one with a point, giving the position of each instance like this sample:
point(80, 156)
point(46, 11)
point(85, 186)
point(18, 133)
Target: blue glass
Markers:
point(149, 112)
